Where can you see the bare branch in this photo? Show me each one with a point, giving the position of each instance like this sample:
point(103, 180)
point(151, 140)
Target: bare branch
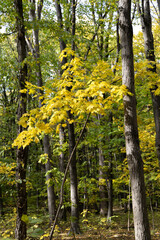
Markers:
point(64, 179)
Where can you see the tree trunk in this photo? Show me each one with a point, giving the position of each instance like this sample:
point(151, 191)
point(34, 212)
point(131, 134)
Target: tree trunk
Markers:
point(73, 181)
point(149, 52)
point(110, 175)
point(158, 3)
point(36, 50)
point(73, 170)
point(46, 140)
point(63, 213)
point(102, 186)
point(20, 232)
point(110, 190)
point(61, 141)
point(102, 177)
point(50, 187)
point(135, 164)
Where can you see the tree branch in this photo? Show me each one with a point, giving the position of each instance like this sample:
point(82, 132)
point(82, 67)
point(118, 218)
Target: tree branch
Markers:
point(64, 179)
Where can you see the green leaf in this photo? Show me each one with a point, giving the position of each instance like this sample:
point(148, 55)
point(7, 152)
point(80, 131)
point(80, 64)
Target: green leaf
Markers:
point(25, 218)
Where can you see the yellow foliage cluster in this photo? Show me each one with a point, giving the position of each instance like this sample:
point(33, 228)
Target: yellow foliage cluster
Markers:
point(102, 182)
point(80, 91)
point(8, 170)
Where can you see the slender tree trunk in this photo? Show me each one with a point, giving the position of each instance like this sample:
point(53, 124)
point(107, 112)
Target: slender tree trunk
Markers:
point(141, 224)
point(63, 213)
point(102, 177)
point(102, 186)
point(50, 188)
point(61, 40)
point(35, 18)
point(20, 232)
point(65, 176)
point(46, 141)
point(118, 46)
point(61, 141)
point(73, 170)
point(73, 181)
point(158, 3)
point(146, 23)
point(110, 175)
point(110, 189)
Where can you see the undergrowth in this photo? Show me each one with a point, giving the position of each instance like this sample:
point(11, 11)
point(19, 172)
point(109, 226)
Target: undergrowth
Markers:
point(92, 227)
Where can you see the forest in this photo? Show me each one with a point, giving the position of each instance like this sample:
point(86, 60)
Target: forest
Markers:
point(80, 119)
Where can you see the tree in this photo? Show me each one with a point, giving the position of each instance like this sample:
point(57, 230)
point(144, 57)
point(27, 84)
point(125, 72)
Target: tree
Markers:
point(20, 232)
point(146, 23)
point(71, 130)
point(84, 79)
point(135, 163)
point(35, 49)
point(158, 3)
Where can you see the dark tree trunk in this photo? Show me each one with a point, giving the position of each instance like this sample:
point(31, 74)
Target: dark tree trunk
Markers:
point(46, 141)
point(61, 40)
point(141, 224)
point(35, 18)
point(146, 23)
point(20, 232)
point(118, 46)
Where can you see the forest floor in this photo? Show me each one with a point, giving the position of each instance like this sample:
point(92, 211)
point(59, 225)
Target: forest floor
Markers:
point(98, 228)
point(93, 227)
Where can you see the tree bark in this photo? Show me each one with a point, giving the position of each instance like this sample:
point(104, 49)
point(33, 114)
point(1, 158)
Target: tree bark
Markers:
point(63, 213)
point(135, 164)
point(146, 23)
point(20, 232)
point(110, 189)
point(158, 3)
point(102, 176)
point(102, 187)
point(35, 18)
point(71, 134)
point(50, 187)
point(73, 181)
point(62, 156)
point(65, 176)
point(110, 174)
point(73, 170)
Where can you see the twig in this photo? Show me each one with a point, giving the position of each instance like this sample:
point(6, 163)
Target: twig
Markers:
point(93, 38)
point(64, 179)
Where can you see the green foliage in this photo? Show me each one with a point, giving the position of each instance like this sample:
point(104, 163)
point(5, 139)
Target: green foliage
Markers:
point(93, 89)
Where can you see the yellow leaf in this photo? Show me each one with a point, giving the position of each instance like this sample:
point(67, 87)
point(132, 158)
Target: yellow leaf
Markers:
point(23, 91)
